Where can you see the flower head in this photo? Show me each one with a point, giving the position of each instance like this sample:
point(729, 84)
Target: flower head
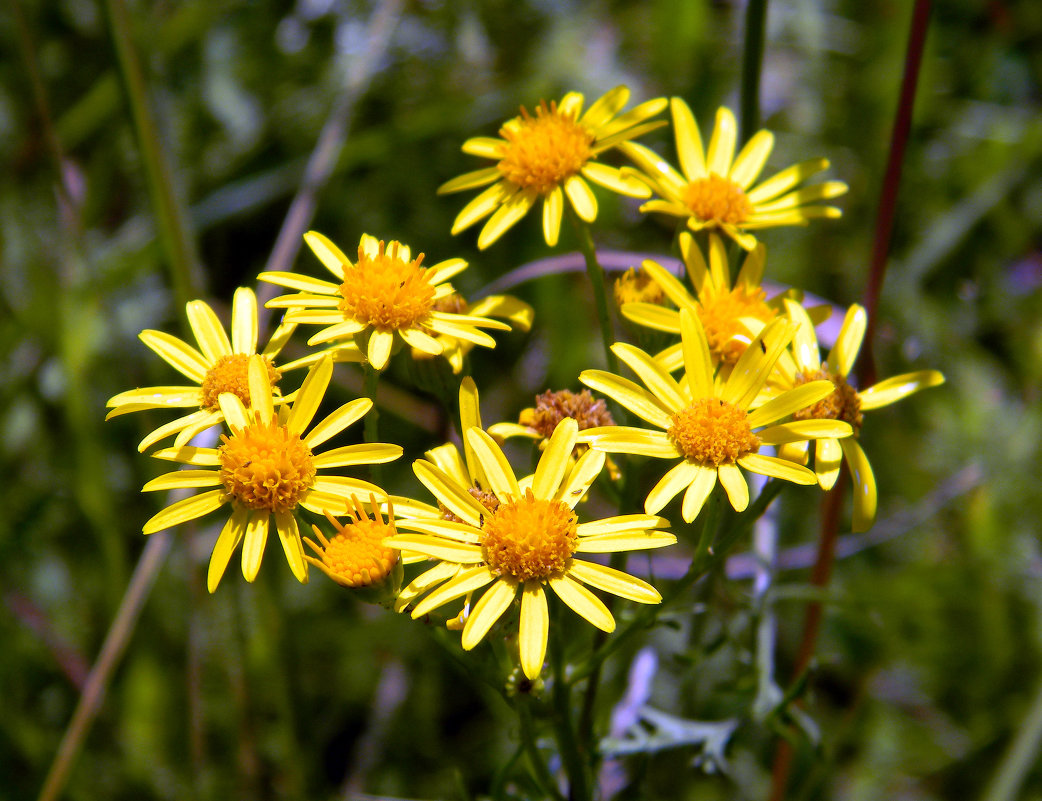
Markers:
point(384, 298)
point(731, 315)
point(715, 189)
point(637, 286)
point(527, 543)
point(707, 423)
point(844, 403)
point(266, 468)
point(551, 155)
point(217, 366)
point(355, 556)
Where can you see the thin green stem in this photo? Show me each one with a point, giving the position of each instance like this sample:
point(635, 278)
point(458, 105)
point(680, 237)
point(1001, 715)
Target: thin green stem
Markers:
point(371, 421)
point(1021, 757)
point(600, 295)
point(574, 764)
point(752, 66)
point(541, 773)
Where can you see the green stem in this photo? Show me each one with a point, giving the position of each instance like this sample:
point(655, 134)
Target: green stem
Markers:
point(574, 765)
point(1021, 757)
point(752, 66)
point(371, 421)
point(541, 773)
point(600, 295)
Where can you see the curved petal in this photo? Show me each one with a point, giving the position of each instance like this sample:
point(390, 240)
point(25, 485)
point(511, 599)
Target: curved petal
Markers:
point(614, 581)
point(790, 402)
point(785, 180)
point(470, 180)
point(891, 390)
point(659, 382)
point(750, 161)
point(638, 441)
point(330, 255)
point(229, 539)
point(848, 343)
point(828, 455)
point(615, 180)
point(734, 485)
point(864, 484)
point(553, 210)
point(209, 333)
point(465, 581)
point(501, 478)
point(698, 491)
point(635, 540)
point(583, 602)
point(489, 608)
point(580, 478)
point(634, 397)
point(184, 510)
point(800, 430)
point(482, 205)
point(510, 212)
point(310, 395)
point(670, 485)
point(178, 354)
point(698, 364)
point(581, 197)
point(455, 497)
point(253, 543)
point(688, 140)
point(774, 467)
point(289, 536)
point(183, 479)
point(361, 453)
point(260, 389)
point(436, 548)
point(337, 421)
point(379, 349)
point(244, 321)
point(720, 153)
point(553, 463)
point(486, 147)
point(535, 629)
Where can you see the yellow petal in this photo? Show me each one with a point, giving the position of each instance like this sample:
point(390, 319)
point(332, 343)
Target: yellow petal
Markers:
point(255, 539)
point(454, 496)
point(436, 548)
point(615, 180)
point(486, 147)
point(804, 342)
point(864, 484)
point(667, 488)
point(505, 216)
point(621, 523)
point(184, 510)
point(688, 139)
point(605, 107)
point(553, 463)
point(189, 454)
point(535, 629)
point(580, 478)
point(213, 342)
point(638, 441)
point(470, 180)
point(721, 144)
point(777, 468)
point(634, 397)
point(229, 539)
point(848, 343)
point(553, 210)
point(260, 389)
point(734, 485)
point(754, 366)
point(470, 417)
point(483, 204)
point(790, 402)
point(893, 389)
point(301, 283)
point(183, 479)
point(489, 608)
point(698, 364)
point(289, 536)
point(310, 395)
point(330, 255)
point(828, 454)
point(651, 315)
point(465, 581)
point(379, 350)
point(501, 478)
point(581, 197)
point(697, 492)
point(152, 398)
point(362, 453)
point(660, 383)
point(333, 424)
point(233, 410)
point(625, 541)
point(750, 161)
point(799, 430)
point(614, 581)
point(244, 321)
point(179, 355)
point(785, 180)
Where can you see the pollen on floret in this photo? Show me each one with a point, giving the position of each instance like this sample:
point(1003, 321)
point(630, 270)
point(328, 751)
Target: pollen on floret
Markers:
point(843, 404)
point(544, 150)
point(721, 316)
point(712, 432)
point(385, 291)
point(231, 374)
point(637, 286)
point(265, 466)
point(529, 538)
point(355, 556)
point(716, 199)
point(553, 407)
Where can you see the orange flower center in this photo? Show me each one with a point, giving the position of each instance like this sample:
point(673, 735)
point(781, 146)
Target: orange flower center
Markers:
point(637, 286)
point(721, 315)
point(843, 404)
point(529, 538)
point(385, 291)
point(553, 407)
point(545, 149)
point(356, 555)
point(231, 374)
point(712, 432)
point(719, 200)
point(266, 466)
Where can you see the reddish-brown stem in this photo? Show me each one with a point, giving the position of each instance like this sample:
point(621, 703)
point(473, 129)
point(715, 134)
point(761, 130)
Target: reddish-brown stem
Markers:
point(891, 182)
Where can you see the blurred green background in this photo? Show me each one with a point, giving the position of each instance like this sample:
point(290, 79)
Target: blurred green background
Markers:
point(931, 653)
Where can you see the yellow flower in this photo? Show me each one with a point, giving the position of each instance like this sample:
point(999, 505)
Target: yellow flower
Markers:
point(716, 189)
point(844, 403)
point(551, 156)
point(267, 468)
point(384, 297)
point(218, 366)
point(730, 315)
point(706, 423)
point(637, 286)
point(527, 543)
point(504, 306)
point(540, 421)
point(356, 556)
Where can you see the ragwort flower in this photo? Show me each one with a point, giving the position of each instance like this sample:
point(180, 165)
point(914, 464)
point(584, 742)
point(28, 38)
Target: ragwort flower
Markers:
point(845, 403)
point(384, 298)
point(266, 468)
point(731, 315)
point(716, 188)
point(707, 424)
point(217, 366)
point(551, 156)
point(527, 543)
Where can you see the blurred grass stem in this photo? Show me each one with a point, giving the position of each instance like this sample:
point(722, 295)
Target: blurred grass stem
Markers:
point(752, 66)
point(596, 274)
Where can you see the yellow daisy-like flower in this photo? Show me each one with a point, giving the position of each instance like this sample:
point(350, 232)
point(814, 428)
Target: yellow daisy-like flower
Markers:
point(706, 423)
point(637, 286)
point(218, 366)
point(356, 555)
point(266, 468)
point(730, 315)
point(551, 156)
point(527, 543)
point(716, 188)
point(384, 297)
point(844, 403)
point(506, 307)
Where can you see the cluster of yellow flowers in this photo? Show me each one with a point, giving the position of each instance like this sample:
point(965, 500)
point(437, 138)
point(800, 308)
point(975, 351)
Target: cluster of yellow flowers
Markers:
point(744, 373)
